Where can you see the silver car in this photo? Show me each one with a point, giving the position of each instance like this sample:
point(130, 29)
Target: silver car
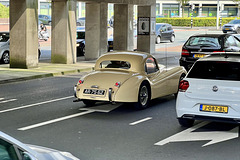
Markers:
point(5, 50)
point(232, 26)
point(12, 149)
point(4, 47)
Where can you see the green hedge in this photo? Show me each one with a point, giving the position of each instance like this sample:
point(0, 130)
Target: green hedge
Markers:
point(4, 11)
point(197, 22)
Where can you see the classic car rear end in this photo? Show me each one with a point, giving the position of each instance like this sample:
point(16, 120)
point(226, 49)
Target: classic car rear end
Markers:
point(128, 77)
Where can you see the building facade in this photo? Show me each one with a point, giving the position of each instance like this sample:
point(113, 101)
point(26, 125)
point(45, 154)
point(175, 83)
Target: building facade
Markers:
point(207, 8)
point(167, 8)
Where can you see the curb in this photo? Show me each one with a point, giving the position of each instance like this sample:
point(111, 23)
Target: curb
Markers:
point(45, 75)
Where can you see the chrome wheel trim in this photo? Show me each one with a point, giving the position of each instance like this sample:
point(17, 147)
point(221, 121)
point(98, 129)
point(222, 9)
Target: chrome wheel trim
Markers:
point(143, 95)
point(158, 40)
point(5, 57)
point(172, 38)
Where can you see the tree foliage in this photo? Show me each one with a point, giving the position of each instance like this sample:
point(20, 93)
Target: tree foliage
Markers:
point(4, 11)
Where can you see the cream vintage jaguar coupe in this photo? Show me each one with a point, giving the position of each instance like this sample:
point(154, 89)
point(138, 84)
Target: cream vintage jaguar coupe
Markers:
point(128, 77)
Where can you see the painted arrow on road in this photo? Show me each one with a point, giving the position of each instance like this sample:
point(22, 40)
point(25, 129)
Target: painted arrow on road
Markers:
point(189, 135)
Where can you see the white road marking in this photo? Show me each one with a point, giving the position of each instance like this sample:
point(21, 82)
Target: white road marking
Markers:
point(32, 105)
point(10, 100)
point(1, 99)
point(101, 108)
point(54, 120)
point(140, 121)
point(212, 136)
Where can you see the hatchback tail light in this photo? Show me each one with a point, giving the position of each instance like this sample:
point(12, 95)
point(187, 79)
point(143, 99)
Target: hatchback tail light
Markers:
point(183, 86)
point(117, 84)
point(185, 52)
point(80, 81)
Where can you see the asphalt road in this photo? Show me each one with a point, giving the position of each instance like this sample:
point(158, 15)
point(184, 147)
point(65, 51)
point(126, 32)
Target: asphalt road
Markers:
point(42, 112)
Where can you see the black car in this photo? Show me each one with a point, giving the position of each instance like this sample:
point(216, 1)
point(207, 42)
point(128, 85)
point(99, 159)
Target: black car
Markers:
point(198, 46)
point(80, 41)
point(164, 31)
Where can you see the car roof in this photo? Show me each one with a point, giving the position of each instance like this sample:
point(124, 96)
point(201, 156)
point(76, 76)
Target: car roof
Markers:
point(210, 35)
point(231, 57)
point(136, 59)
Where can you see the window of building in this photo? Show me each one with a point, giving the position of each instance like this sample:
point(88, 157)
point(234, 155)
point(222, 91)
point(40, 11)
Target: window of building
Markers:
point(171, 10)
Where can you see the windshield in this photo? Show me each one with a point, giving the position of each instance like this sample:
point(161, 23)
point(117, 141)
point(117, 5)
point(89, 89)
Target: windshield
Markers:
point(234, 22)
point(218, 70)
point(80, 35)
point(158, 26)
point(115, 64)
point(4, 37)
point(203, 42)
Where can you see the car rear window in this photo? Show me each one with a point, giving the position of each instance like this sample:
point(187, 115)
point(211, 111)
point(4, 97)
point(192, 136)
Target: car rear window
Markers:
point(115, 64)
point(203, 41)
point(217, 70)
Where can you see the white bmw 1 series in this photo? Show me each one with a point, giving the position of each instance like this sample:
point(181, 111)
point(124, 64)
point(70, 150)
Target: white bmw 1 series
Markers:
point(211, 90)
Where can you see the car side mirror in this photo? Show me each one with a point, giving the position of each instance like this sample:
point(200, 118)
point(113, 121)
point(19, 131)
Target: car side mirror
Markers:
point(28, 156)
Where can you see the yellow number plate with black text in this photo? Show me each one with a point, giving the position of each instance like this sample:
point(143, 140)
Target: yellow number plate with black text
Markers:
point(213, 108)
point(199, 55)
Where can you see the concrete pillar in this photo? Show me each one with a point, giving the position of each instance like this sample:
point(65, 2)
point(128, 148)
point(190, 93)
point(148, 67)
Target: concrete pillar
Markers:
point(23, 34)
point(39, 8)
point(63, 32)
point(123, 27)
point(146, 43)
point(103, 28)
point(96, 30)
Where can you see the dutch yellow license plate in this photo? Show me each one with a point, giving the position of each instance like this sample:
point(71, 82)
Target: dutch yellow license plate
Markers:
point(199, 55)
point(226, 28)
point(213, 108)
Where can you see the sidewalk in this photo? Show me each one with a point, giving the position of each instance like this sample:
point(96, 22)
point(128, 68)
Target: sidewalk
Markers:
point(8, 75)
point(48, 69)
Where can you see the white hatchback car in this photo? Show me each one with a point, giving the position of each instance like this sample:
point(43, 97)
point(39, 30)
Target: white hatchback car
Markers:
point(210, 91)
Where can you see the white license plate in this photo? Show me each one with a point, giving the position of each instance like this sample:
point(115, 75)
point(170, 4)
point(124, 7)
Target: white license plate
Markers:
point(94, 91)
